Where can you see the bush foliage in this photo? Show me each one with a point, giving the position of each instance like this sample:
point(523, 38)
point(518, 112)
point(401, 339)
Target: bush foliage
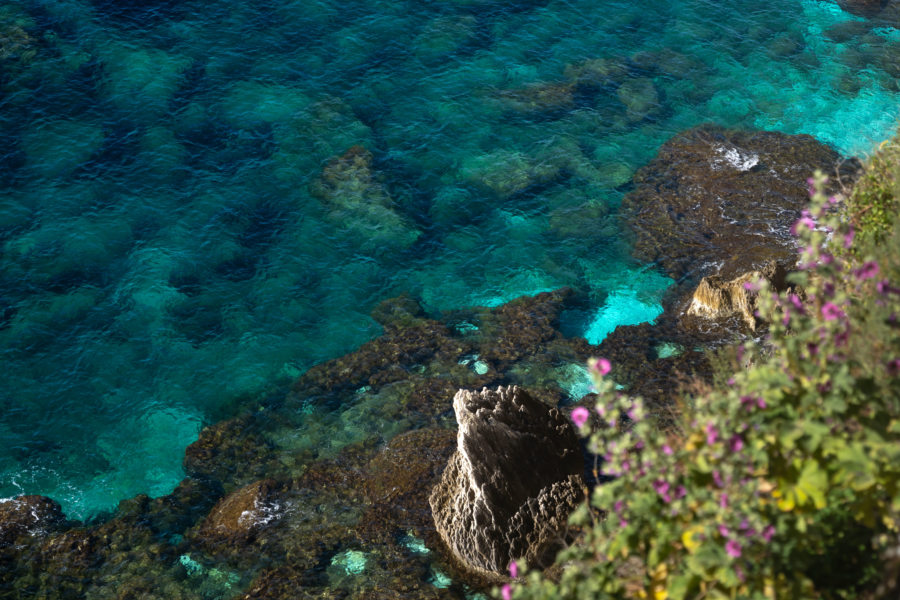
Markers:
point(785, 481)
point(875, 198)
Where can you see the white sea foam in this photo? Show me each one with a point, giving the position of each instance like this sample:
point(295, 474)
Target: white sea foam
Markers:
point(261, 514)
point(734, 158)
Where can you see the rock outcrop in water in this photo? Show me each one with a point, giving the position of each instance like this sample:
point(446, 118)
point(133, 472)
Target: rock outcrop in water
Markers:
point(28, 515)
point(509, 488)
point(722, 202)
point(712, 210)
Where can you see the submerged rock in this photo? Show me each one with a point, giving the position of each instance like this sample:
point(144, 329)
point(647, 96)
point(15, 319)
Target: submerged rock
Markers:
point(28, 515)
point(398, 312)
point(722, 202)
point(241, 514)
point(641, 99)
point(505, 173)
point(507, 491)
point(543, 99)
point(597, 73)
point(350, 188)
point(863, 8)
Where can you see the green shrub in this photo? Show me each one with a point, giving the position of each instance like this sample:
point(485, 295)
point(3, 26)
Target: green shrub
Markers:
point(875, 198)
point(785, 482)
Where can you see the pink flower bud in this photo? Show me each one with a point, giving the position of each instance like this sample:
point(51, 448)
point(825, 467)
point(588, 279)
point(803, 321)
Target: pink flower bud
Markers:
point(579, 416)
point(601, 366)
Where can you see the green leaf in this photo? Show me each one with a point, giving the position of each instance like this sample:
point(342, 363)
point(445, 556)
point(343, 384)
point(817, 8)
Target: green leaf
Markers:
point(815, 433)
point(855, 467)
point(679, 585)
point(707, 557)
point(813, 483)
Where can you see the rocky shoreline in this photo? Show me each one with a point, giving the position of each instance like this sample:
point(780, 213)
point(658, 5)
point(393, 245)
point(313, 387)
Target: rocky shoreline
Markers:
point(326, 491)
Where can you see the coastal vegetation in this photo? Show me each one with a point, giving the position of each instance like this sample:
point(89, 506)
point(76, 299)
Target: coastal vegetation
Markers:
point(782, 478)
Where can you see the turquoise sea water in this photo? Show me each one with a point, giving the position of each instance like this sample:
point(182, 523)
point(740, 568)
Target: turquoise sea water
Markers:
point(169, 250)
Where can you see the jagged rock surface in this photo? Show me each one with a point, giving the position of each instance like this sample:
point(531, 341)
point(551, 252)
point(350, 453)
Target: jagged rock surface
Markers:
point(717, 298)
point(507, 491)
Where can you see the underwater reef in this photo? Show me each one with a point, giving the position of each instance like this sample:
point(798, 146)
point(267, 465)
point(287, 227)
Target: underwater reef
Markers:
point(343, 509)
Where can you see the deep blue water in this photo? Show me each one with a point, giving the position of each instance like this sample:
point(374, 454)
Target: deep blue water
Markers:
point(169, 253)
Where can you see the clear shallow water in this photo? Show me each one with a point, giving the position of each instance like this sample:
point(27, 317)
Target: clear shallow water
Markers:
point(168, 251)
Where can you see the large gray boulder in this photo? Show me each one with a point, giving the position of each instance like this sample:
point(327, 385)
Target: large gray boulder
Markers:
point(509, 488)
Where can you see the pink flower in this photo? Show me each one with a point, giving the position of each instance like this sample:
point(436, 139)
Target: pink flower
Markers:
point(730, 381)
point(867, 271)
point(795, 300)
point(831, 311)
point(733, 549)
point(600, 366)
point(711, 434)
point(736, 444)
point(723, 531)
point(802, 222)
point(580, 416)
point(768, 533)
point(751, 286)
point(680, 491)
point(618, 507)
point(723, 501)
point(848, 237)
point(667, 450)
point(662, 488)
point(513, 569)
point(506, 592)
